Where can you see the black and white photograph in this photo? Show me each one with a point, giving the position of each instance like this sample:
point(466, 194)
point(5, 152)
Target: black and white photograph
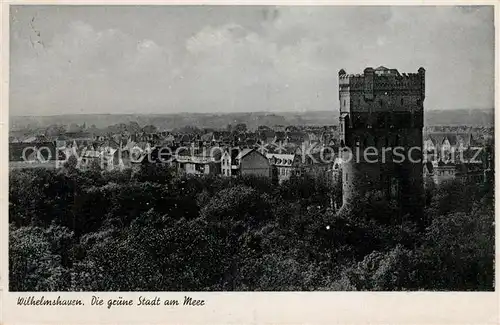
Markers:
point(215, 148)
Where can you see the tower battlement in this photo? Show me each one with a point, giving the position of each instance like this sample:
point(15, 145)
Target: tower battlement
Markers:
point(381, 80)
point(379, 109)
point(381, 90)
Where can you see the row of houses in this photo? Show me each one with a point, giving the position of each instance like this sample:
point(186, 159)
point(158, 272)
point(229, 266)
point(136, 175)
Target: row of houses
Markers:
point(445, 142)
point(456, 155)
point(206, 160)
point(229, 162)
point(440, 171)
point(291, 152)
point(243, 138)
point(433, 141)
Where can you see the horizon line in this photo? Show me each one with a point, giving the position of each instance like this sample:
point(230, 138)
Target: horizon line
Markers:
point(229, 113)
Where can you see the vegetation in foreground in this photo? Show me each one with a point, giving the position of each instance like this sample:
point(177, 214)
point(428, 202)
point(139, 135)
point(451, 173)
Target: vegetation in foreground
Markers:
point(153, 231)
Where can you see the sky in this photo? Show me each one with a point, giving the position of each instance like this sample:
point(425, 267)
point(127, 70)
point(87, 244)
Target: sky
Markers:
point(217, 59)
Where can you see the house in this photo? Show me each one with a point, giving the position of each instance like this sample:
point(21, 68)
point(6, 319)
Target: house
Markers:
point(208, 139)
point(226, 163)
point(205, 161)
point(158, 155)
point(440, 171)
point(89, 157)
point(471, 173)
point(443, 171)
point(196, 165)
point(438, 145)
point(284, 165)
point(250, 162)
point(133, 152)
point(106, 153)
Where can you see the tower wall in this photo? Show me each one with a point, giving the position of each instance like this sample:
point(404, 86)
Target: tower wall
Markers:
point(383, 110)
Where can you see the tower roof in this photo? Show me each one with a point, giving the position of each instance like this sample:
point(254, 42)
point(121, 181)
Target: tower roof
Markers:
point(386, 71)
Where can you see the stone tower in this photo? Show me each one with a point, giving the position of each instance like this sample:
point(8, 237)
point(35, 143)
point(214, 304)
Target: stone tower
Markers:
point(381, 122)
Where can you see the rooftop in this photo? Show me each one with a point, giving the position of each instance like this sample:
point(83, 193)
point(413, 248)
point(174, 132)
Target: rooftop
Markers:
point(383, 71)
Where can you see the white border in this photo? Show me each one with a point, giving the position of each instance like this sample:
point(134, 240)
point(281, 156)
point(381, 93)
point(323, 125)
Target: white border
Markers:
point(245, 308)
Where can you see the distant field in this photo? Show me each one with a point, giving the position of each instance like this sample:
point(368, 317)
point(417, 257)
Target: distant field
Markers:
point(472, 117)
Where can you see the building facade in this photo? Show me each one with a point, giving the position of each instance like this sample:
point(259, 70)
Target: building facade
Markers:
point(226, 163)
point(381, 119)
point(285, 165)
point(251, 162)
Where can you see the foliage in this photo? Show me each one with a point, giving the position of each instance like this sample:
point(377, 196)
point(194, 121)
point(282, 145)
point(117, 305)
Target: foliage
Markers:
point(34, 266)
point(152, 230)
point(458, 251)
point(384, 271)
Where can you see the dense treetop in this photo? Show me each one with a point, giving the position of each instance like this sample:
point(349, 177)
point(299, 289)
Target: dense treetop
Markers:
point(152, 230)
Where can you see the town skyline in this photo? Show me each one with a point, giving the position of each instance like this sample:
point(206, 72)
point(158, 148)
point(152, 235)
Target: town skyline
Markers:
point(236, 112)
point(227, 59)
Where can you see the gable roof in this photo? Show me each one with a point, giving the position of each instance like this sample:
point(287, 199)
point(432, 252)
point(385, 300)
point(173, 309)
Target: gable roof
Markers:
point(243, 153)
point(455, 138)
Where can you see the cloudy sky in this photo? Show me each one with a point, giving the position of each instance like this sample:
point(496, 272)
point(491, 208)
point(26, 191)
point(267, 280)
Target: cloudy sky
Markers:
point(165, 59)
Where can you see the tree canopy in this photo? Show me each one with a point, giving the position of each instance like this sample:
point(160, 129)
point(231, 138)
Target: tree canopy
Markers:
point(154, 230)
